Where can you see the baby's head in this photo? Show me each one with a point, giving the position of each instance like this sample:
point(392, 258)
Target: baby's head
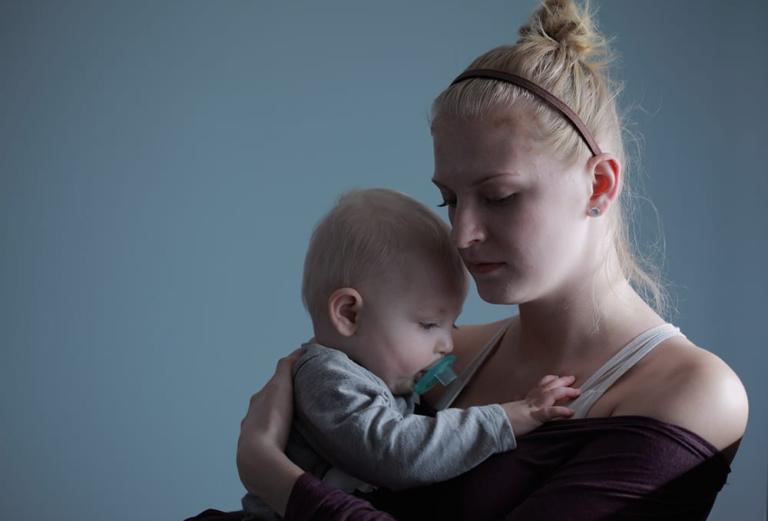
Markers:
point(384, 283)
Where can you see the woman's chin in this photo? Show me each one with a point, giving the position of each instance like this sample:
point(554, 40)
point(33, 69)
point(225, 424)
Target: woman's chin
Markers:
point(498, 294)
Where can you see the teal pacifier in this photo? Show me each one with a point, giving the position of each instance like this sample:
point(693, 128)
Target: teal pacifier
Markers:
point(441, 371)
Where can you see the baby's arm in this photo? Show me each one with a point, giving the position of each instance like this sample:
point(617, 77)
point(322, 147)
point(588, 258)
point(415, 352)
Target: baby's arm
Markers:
point(351, 419)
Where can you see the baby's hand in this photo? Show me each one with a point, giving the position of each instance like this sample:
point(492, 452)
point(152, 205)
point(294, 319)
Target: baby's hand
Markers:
point(540, 404)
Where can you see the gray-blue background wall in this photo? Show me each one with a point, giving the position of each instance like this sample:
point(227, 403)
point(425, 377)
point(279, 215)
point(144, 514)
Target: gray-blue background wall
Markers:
point(162, 165)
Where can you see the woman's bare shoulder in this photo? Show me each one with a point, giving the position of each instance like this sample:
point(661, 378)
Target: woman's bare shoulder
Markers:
point(695, 390)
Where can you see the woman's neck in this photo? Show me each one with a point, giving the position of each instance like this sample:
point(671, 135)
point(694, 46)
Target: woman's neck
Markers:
point(581, 327)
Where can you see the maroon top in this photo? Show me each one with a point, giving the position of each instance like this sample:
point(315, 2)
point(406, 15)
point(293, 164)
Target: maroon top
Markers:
point(623, 467)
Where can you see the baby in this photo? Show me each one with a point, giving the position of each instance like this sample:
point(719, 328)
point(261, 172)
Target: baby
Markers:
point(384, 284)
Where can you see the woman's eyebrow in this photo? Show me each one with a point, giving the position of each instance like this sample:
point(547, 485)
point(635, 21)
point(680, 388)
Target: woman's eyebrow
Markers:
point(481, 180)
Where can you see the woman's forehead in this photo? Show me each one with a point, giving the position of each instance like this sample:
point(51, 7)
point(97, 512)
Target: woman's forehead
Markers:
point(472, 150)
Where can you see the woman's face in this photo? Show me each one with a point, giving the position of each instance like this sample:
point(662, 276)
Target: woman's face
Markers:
point(518, 211)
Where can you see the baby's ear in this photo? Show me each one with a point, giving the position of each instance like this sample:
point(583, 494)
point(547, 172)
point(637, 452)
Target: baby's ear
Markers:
point(344, 307)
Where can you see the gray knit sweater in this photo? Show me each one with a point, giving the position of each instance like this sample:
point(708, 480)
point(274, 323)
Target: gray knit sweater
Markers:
point(350, 430)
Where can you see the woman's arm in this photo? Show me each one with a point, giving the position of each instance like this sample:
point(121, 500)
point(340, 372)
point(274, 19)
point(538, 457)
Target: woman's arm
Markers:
point(312, 500)
point(263, 467)
point(603, 468)
point(630, 467)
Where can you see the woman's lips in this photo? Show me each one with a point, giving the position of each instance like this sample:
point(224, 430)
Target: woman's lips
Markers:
point(484, 267)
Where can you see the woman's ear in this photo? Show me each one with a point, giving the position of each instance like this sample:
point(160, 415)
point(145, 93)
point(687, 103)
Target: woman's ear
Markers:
point(344, 307)
point(606, 179)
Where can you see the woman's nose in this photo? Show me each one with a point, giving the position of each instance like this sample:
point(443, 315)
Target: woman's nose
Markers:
point(466, 228)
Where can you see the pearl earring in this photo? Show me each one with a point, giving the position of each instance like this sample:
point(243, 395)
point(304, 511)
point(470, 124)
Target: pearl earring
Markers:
point(594, 211)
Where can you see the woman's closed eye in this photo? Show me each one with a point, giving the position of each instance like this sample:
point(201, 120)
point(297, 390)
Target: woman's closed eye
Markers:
point(499, 201)
point(449, 199)
point(490, 201)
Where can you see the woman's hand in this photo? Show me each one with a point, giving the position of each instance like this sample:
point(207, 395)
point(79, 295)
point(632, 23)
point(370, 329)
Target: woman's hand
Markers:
point(271, 409)
point(263, 467)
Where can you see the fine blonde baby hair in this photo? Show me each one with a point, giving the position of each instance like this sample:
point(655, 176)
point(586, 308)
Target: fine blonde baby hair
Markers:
point(561, 49)
point(366, 236)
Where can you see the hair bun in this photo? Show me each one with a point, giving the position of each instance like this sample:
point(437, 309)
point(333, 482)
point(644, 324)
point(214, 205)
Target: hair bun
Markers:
point(568, 29)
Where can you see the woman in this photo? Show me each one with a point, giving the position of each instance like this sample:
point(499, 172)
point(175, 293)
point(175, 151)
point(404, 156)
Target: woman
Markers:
point(529, 161)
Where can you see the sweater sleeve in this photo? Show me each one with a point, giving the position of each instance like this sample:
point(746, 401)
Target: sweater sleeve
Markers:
point(646, 470)
point(351, 419)
point(312, 499)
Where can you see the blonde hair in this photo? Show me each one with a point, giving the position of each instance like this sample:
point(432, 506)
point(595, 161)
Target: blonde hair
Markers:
point(373, 234)
point(561, 50)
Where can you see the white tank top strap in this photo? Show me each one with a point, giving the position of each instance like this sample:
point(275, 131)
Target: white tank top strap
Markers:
point(453, 389)
point(597, 384)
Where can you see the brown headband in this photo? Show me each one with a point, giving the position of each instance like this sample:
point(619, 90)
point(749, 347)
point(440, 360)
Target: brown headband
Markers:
point(539, 91)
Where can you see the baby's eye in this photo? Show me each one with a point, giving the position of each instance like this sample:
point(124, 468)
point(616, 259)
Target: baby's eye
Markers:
point(428, 325)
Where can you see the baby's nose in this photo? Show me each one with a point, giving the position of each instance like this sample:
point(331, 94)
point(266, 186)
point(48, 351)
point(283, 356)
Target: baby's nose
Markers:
point(445, 347)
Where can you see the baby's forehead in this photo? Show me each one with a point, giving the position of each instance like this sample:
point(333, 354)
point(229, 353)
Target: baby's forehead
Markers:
point(417, 268)
point(429, 285)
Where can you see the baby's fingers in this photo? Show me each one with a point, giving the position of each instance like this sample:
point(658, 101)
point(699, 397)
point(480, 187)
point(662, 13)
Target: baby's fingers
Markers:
point(559, 381)
point(561, 393)
point(546, 380)
point(290, 359)
point(552, 413)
